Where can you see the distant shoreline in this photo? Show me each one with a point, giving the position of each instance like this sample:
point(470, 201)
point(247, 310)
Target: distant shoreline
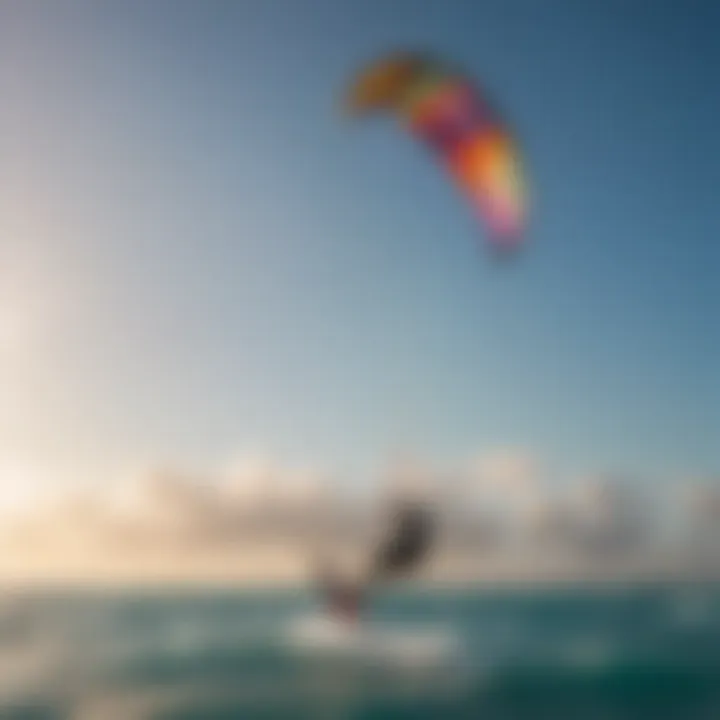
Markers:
point(199, 586)
point(279, 567)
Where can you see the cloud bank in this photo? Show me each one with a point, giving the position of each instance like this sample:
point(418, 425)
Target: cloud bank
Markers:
point(260, 521)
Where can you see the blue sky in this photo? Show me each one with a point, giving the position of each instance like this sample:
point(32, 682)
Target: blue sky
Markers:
point(199, 255)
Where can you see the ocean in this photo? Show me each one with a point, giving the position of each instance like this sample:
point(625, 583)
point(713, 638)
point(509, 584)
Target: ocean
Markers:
point(595, 653)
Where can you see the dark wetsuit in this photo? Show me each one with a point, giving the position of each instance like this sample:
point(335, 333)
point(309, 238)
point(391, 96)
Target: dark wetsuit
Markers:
point(409, 543)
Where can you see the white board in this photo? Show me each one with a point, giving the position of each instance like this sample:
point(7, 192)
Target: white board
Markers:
point(408, 645)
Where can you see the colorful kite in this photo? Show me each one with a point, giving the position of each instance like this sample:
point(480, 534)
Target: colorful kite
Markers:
point(452, 116)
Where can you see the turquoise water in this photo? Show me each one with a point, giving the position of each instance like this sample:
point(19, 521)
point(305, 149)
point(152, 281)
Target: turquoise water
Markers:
point(592, 654)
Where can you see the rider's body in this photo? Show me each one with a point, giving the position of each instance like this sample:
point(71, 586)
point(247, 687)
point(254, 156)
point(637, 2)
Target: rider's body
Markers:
point(407, 545)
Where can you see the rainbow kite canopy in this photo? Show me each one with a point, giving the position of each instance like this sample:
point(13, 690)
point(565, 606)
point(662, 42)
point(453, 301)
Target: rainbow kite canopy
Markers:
point(451, 116)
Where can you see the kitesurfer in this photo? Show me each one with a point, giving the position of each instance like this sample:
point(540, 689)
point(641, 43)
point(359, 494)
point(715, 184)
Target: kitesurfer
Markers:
point(406, 545)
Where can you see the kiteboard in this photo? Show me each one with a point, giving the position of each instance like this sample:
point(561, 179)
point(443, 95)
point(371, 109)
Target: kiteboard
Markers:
point(420, 646)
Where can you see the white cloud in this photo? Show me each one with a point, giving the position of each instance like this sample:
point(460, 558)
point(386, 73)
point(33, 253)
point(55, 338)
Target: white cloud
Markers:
point(263, 515)
point(252, 480)
point(700, 501)
point(511, 476)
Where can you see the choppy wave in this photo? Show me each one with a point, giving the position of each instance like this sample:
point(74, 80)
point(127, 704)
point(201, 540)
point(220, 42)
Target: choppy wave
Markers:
point(651, 653)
